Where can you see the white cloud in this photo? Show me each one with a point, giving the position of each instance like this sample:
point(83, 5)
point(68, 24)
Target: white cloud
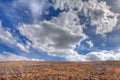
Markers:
point(103, 55)
point(90, 43)
point(61, 34)
point(68, 4)
point(33, 59)
point(22, 47)
point(115, 5)
point(5, 35)
point(99, 13)
point(7, 56)
point(11, 57)
point(7, 38)
point(36, 7)
point(58, 37)
point(96, 56)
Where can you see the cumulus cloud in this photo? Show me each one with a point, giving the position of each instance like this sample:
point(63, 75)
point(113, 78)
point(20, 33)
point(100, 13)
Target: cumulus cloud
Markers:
point(103, 56)
point(99, 13)
point(114, 5)
point(60, 35)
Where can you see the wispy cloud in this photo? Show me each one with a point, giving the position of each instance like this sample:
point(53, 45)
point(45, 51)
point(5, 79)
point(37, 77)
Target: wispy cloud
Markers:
point(7, 56)
point(7, 38)
point(35, 7)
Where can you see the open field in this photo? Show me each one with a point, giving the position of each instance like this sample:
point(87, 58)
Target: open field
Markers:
point(40, 70)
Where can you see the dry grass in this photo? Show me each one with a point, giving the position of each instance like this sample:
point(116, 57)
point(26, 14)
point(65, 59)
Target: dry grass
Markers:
point(109, 70)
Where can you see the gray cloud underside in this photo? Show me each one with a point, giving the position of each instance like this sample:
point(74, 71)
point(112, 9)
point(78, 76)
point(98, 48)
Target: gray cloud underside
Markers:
point(47, 37)
point(61, 34)
point(115, 5)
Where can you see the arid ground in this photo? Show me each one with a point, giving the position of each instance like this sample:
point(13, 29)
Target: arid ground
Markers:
point(46, 70)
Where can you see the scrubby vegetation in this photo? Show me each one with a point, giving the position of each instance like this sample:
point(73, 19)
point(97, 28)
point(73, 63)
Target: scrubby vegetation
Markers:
point(109, 70)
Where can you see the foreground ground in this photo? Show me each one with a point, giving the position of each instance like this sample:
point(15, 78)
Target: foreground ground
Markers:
point(109, 70)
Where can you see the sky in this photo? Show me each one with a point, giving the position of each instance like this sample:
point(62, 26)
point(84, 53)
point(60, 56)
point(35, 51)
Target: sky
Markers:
point(59, 30)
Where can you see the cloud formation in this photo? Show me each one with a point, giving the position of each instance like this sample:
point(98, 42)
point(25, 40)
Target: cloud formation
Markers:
point(99, 13)
point(5, 35)
point(60, 35)
point(103, 56)
point(6, 56)
point(7, 38)
point(115, 5)
point(34, 7)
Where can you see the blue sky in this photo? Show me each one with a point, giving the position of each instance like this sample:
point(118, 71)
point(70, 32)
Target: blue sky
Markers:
point(59, 30)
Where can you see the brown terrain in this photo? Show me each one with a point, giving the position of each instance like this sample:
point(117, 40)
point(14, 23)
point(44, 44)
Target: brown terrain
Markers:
point(45, 70)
